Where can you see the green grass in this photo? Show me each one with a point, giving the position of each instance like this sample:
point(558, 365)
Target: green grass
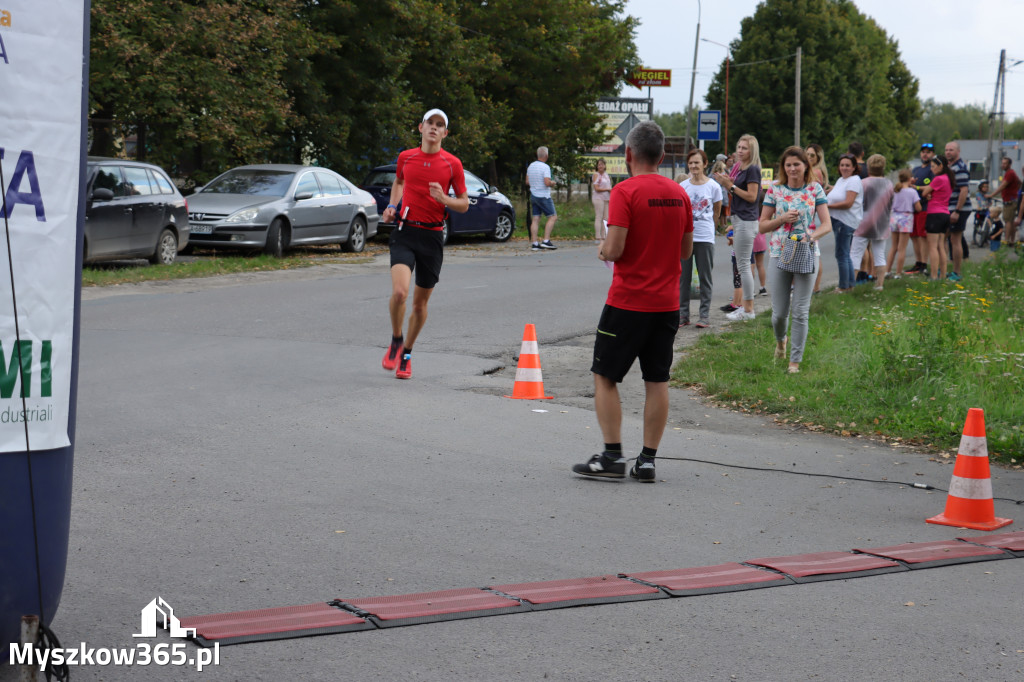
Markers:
point(227, 263)
point(575, 219)
point(904, 364)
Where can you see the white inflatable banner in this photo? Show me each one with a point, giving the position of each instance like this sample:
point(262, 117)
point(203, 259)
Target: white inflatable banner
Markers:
point(41, 94)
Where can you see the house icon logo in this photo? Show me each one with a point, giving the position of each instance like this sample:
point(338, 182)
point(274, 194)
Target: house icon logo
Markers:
point(157, 610)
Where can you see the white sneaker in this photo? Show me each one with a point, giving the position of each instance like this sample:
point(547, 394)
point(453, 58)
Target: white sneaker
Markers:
point(740, 314)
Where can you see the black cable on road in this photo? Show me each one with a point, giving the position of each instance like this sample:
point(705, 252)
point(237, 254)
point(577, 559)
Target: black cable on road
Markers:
point(919, 486)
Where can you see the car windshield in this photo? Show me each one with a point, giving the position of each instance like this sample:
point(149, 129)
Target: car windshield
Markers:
point(378, 177)
point(268, 183)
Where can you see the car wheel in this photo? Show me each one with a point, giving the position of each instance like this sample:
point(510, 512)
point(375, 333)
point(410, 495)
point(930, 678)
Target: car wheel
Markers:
point(444, 233)
point(356, 236)
point(277, 238)
point(504, 227)
point(166, 249)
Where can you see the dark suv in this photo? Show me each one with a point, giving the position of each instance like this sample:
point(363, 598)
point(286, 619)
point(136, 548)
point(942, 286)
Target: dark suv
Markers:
point(490, 212)
point(132, 210)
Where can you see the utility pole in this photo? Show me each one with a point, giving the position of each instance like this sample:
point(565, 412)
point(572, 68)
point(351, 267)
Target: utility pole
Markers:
point(728, 56)
point(796, 113)
point(990, 168)
point(693, 77)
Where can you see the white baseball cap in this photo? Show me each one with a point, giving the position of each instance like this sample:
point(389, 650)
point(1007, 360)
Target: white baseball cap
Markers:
point(437, 112)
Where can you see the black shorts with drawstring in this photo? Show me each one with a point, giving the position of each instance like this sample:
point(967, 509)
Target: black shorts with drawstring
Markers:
point(626, 335)
point(421, 250)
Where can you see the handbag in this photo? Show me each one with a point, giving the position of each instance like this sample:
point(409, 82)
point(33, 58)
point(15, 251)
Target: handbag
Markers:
point(796, 257)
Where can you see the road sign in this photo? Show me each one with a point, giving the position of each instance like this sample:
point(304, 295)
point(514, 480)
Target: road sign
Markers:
point(620, 115)
point(659, 78)
point(709, 124)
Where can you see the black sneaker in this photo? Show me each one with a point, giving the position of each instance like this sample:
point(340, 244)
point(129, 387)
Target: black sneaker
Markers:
point(728, 308)
point(546, 244)
point(535, 246)
point(643, 471)
point(603, 466)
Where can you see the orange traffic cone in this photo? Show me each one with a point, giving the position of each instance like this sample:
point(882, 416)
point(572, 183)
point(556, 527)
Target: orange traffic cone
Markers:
point(969, 503)
point(529, 383)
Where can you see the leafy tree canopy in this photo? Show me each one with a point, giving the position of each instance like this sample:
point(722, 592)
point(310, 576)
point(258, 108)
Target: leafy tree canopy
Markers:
point(854, 85)
point(207, 84)
point(945, 121)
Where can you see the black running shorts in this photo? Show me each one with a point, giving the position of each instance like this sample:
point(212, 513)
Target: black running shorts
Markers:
point(936, 223)
point(421, 250)
point(625, 335)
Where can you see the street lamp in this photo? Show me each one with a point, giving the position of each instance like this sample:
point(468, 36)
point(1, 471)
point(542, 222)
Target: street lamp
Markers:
point(728, 55)
point(693, 76)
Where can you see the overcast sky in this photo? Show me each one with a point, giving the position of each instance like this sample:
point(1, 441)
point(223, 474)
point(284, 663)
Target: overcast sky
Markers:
point(951, 46)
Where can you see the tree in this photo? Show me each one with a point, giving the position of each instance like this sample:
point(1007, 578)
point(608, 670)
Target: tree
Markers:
point(854, 85)
point(945, 121)
point(1015, 129)
point(207, 84)
point(674, 124)
point(555, 59)
point(200, 83)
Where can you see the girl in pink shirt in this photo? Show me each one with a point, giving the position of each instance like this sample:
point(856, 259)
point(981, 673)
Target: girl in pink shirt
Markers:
point(937, 218)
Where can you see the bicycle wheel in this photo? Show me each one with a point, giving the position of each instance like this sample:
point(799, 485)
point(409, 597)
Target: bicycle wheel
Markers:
point(981, 232)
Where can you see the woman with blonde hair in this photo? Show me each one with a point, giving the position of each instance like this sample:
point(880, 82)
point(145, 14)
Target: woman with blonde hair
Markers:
point(816, 157)
point(743, 183)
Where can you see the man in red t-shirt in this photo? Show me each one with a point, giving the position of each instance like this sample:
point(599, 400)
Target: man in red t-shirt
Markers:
point(1008, 189)
point(424, 176)
point(650, 231)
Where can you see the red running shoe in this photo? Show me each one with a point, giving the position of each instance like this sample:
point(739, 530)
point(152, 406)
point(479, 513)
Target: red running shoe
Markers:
point(390, 360)
point(404, 367)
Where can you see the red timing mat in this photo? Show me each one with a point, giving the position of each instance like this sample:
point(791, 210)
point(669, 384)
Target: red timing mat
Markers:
point(828, 566)
point(558, 594)
point(687, 582)
point(932, 554)
point(280, 623)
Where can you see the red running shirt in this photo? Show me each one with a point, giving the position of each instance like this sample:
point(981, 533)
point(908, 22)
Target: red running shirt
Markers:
point(417, 170)
point(657, 213)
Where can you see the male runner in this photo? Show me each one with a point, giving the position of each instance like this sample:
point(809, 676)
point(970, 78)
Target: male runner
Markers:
point(650, 231)
point(422, 181)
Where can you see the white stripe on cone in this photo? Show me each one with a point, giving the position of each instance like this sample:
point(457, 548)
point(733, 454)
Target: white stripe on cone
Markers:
point(973, 446)
point(529, 348)
point(528, 374)
point(971, 488)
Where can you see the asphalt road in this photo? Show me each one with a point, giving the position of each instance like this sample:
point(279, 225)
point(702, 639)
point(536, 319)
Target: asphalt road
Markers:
point(240, 448)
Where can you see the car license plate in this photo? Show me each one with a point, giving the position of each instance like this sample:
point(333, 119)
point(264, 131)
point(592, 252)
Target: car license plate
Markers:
point(201, 229)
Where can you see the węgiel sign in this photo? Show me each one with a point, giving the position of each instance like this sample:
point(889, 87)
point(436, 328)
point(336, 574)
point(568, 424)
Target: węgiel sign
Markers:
point(40, 168)
point(646, 77)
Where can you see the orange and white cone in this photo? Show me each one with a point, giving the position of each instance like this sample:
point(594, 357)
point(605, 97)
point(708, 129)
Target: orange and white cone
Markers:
point(529, 382)
point(969, 503)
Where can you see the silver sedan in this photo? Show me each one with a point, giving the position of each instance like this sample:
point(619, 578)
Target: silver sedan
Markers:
point(275, 206)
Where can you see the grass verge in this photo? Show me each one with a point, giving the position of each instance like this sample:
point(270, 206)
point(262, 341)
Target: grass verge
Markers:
point(903, 365)
point(575, 219)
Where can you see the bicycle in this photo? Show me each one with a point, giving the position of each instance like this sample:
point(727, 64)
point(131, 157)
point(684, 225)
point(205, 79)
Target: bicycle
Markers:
point(983, 223)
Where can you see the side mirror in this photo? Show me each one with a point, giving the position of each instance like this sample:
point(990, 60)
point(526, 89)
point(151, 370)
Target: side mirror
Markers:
point(491, 189)
point(102, 194)
point(302, 196)
point(197, 189)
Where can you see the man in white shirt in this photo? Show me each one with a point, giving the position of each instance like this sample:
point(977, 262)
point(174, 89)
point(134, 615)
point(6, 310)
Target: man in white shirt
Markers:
point(538, 176)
